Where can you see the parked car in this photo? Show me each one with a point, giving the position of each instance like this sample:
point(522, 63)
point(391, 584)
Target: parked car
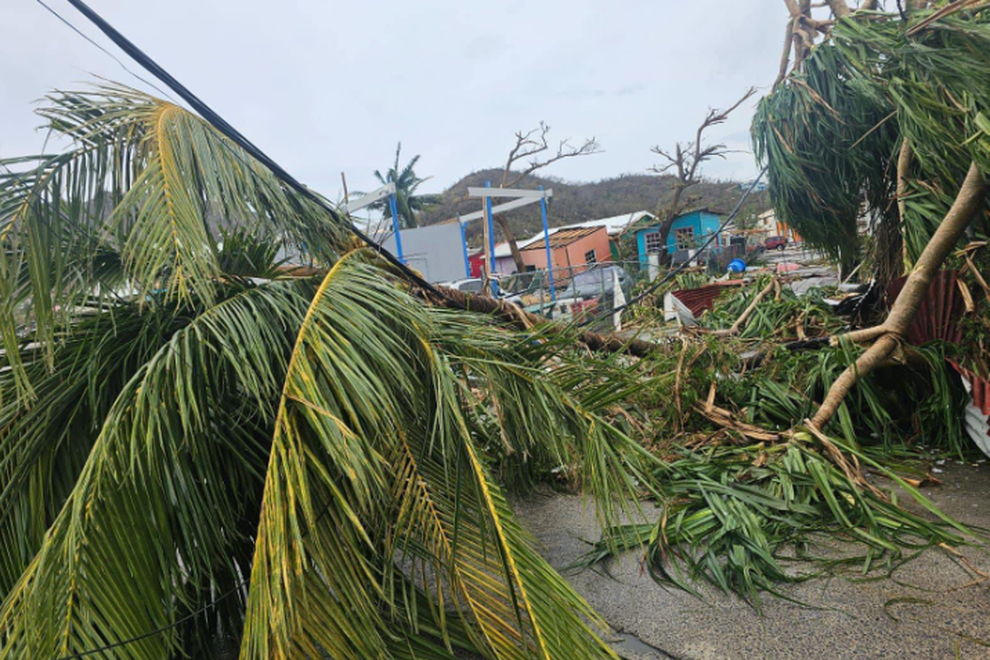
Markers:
point(594, 283)
point(469, 285)
point(775, 243)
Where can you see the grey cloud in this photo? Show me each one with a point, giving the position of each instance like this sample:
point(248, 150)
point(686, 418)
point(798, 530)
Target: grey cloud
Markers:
point(330, 87)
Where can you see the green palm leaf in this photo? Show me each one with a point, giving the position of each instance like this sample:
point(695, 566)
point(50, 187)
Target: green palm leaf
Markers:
point(199, 453)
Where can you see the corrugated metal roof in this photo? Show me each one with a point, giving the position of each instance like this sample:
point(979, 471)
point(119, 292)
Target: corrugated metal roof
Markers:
point(614, 225)
point(563, 237)
point(703, 298)
point(938, 318)
point(940, 311)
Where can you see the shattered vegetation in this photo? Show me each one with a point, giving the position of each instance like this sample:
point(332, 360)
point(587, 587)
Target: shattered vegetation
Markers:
point(205, 452)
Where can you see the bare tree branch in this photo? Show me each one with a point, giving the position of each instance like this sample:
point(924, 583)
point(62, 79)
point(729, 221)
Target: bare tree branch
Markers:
point(534, 146)
point(534, 142)
point(890, 333)
point(785, 57)
point(685, 161)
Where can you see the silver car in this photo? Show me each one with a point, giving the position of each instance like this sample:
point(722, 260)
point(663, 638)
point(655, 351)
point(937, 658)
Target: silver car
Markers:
point(594, 283)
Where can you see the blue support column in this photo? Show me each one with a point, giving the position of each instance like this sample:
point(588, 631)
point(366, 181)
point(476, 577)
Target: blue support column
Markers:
point(546, 241)
point(491, 241)
point(467, 260)
point(395, 225)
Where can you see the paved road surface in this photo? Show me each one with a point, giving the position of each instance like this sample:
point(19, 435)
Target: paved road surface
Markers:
point(852, 621)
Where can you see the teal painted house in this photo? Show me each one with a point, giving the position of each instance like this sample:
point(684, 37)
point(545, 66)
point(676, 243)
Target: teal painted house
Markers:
point(687, 232)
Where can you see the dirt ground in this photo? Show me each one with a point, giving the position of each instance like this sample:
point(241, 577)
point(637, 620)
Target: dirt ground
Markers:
point(933, 607)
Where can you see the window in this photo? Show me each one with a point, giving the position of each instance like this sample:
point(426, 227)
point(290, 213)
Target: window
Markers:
point(684, 238)
point(652, 243)
point(590, 258)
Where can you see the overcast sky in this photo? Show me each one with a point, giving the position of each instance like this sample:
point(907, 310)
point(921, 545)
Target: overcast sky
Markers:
point(326, 87)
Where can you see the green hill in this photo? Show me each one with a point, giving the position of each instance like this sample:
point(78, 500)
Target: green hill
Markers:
point(577, 202)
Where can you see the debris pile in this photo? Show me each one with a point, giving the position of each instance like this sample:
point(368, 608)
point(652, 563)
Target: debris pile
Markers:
point(749, 487)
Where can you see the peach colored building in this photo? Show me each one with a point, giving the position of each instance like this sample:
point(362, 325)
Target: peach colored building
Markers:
point(572, 250)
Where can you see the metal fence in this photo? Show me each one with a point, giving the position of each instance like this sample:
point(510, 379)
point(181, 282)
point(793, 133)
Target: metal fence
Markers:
point(597, 280)
point(587, 286)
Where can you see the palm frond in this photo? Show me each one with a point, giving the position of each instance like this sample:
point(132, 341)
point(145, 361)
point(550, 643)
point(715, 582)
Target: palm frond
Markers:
point(145, 186)
point(388, 454)
point(139, 539)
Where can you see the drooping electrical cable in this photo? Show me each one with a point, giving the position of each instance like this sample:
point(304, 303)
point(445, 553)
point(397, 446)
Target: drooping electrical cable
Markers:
point(221, 125)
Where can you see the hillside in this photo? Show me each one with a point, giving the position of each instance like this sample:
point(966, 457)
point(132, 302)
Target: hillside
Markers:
point(577, 202)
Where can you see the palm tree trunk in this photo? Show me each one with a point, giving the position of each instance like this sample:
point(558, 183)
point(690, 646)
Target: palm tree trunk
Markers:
point(507, 311)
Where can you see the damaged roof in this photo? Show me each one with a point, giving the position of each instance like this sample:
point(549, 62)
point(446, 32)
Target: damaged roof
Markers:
point(563, 237)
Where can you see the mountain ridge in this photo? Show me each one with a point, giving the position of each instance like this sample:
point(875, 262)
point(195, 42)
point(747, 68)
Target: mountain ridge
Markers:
point(575, 202)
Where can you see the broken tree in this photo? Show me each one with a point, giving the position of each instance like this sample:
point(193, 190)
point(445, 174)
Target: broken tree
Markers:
point(533, 148)
point(883, 121)
point(684, 163)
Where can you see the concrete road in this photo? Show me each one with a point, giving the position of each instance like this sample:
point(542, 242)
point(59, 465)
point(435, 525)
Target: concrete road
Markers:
point(813, 272)
point(933, 607)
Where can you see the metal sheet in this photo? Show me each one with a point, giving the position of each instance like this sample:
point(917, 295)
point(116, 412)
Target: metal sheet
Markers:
point(703, 298)
point(507, 192)
point(939, 314)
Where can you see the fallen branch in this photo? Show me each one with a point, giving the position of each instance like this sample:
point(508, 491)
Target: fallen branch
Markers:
point(889, 334)
point(727, 420)
point(456, 299)
point(850, 468)
point(740, 322)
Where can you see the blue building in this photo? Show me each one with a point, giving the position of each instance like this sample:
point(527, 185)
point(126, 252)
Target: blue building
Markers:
point(687, 232)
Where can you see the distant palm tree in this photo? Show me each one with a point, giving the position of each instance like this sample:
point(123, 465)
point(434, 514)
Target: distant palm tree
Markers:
point(406, 182)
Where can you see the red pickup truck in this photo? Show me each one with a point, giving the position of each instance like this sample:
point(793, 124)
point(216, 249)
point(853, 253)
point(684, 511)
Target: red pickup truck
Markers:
point(775, 243)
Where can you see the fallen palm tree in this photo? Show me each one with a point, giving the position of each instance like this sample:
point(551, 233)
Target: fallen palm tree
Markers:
point(203, 452)
point(299, 466)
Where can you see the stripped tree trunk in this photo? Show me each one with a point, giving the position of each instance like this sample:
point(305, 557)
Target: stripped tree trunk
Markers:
point(839, 8)
point(740, 322)
point(510, 238)
point(890, 333)
point(456, 299)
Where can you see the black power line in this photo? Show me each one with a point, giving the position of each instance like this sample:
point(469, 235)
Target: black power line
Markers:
point(219, 123)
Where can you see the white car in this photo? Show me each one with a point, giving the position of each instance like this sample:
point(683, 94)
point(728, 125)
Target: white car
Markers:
point(469, 285)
